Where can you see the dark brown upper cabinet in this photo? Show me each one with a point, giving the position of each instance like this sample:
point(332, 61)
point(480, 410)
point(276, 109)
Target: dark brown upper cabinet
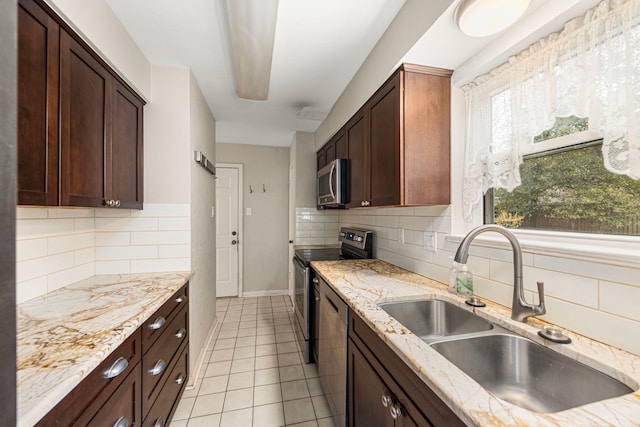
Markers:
point(38, 96)
point(85, 148)
point(398, 143)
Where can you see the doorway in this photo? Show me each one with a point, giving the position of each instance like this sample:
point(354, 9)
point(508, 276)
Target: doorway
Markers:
point(228, 230)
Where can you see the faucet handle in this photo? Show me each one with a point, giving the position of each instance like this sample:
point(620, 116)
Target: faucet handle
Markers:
point(540, 309)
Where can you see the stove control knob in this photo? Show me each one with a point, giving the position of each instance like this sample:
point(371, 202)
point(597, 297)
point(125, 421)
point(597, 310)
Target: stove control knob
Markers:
point(359, 239)
point(342, 234)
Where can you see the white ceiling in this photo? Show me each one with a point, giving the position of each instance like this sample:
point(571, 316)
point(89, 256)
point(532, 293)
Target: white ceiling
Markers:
point(319, 47)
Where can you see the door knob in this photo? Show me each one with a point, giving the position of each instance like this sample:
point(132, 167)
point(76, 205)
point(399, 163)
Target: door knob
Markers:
point(233, 233)
point(233, 242)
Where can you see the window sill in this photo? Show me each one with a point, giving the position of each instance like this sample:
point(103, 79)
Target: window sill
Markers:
point(609, 249)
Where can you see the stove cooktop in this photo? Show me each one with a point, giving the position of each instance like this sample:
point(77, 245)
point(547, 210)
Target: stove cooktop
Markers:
point(318, 254)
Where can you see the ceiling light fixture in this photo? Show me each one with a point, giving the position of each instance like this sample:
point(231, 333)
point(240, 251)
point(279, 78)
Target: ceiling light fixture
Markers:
point(252, 28)
point(479, 18)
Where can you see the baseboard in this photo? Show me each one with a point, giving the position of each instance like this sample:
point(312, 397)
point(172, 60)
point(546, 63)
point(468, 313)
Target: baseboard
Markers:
point(200, 362)
point(265, 293)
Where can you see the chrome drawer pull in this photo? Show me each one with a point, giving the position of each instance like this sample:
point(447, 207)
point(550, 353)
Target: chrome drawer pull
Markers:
point(181, 333)
point(395, 411)
point(157, 368)
point(116, 369)
point(159, 422)
point(386, 400)
point(315, 280)
point(157, 324)
point(182, 298)
point(122, 422)
point(180, 378)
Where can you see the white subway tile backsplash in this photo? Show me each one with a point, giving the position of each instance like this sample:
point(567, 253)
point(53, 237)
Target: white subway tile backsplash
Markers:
point(63, 278)
point(418, 223)
point(387, 221)
point(36, 228)
point(69, 243)
point(58, 246)
point(112, 267)
point(168, 224)
point(27, 270)
point(602, 271)
point(31, 213)
point(620, 299)
point(114, 253)
point(160, 265)
point(84, 256)
point(126, 224)
point(30, 249)
point(28, 289)
point(160, 237)
point(84, 225)
point(71, 213)
point(568, 287)
point(113, 238)
point(174, 251)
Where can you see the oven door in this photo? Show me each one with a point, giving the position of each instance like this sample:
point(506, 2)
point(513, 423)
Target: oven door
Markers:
point(301, 288)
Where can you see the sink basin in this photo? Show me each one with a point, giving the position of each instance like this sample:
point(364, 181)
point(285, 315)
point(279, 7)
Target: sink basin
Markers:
point(527, 374)
point(434, 319)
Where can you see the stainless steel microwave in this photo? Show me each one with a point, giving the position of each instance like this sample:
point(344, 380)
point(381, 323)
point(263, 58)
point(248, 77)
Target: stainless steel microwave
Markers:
point(332, 184)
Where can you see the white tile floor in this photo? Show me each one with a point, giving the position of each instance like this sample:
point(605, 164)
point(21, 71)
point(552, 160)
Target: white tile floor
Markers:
point(255, 374)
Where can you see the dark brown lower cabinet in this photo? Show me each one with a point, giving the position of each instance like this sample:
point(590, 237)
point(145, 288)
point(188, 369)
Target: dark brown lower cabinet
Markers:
point(138, 384)
point(383, 390)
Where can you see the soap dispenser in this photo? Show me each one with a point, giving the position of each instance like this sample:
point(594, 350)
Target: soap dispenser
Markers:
point(464, 281)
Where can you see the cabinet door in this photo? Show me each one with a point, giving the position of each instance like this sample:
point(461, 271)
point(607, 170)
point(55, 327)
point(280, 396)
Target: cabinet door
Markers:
point(85, 126)
point(321, 158)
point(384, 110)
point(38, 78)
point(330, 151)
point(124, 404)
point(358, 155)
point(126, 148)
point(366, 391)
point(341, 145)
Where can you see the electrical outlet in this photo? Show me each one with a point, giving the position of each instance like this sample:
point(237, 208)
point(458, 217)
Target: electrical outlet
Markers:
point(431, 241)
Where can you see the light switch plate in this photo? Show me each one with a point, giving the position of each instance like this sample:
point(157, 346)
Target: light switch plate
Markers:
point(431, 241)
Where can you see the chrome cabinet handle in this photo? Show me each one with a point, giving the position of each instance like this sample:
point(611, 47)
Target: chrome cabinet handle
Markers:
point(395, 411)
point(182, 298)
point(122, 422)
point(159, 422)
point(116, 368)
point(386, 400)
point(117, 203)
point(315, 280)
point(181, 333)
point(157, 324)
point(157, 368)
point(317, 299)
point(180, 379)
point(362, 203)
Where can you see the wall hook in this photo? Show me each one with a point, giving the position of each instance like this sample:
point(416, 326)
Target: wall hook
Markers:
point(264, 190)
point(250, 189)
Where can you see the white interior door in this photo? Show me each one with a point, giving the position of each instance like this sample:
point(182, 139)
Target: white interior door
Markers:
point(227, 231)
point(292, 227)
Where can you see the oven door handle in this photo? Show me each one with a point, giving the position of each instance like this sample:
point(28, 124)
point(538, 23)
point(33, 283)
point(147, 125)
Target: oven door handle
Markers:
point(298, 263)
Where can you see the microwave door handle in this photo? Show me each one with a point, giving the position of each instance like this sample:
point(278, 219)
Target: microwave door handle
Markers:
point(333, 169)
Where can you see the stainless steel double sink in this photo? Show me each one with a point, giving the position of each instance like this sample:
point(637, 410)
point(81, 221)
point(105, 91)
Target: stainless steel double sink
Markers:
point(511, 367)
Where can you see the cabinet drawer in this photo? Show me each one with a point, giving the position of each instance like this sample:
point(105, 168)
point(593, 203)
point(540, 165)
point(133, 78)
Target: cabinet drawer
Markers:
point(158, 322)
point(88, 396)
point(157, 361)
point(124, 404)
point(164, 407)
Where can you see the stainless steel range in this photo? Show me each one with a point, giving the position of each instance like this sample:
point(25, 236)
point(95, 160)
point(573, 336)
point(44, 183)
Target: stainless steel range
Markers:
point(355, 243)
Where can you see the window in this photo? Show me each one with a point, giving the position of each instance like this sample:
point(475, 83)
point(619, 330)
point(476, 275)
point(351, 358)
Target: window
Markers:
point(565, 187)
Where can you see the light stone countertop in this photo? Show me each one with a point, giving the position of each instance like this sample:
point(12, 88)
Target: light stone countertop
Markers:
point(63, 335)
point(365, 283)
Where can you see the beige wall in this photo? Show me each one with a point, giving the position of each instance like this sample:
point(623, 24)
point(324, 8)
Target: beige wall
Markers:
point(265, 246)
point(167, 153)
point(202, 312)
point(100, 27)
point(304, 160)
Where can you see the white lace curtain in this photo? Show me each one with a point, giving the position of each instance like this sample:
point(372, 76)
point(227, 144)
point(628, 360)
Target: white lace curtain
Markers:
point(591, 69)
